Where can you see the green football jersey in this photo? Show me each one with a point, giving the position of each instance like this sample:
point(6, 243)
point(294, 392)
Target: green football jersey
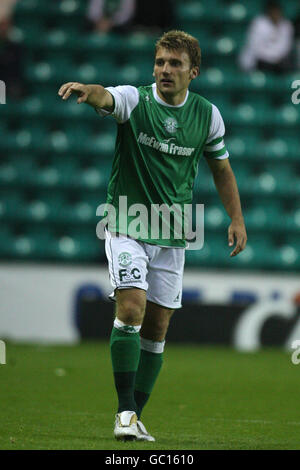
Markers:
point(157, 153)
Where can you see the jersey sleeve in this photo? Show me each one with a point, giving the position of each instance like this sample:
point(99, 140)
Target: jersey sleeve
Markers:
point(215, 146)
point(126, 98)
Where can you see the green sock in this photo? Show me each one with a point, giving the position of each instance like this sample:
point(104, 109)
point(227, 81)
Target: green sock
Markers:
point(125, 355)
point(148, 370)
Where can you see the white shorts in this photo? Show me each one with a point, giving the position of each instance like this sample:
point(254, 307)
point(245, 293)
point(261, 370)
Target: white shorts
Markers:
point(155, 269)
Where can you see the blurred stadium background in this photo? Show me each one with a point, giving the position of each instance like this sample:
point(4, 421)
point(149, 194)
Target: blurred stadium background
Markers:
point(56, 157)
point(55, 162)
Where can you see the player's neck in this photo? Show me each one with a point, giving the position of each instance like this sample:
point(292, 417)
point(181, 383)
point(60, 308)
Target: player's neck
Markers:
point(173, 100)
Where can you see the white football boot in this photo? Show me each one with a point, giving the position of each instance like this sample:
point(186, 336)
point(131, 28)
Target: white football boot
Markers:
point(126, 426)
point(143, 434)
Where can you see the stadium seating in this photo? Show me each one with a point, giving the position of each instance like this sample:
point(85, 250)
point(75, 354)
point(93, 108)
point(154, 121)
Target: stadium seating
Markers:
point(55, 159)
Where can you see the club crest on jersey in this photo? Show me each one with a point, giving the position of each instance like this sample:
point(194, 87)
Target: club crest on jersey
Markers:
point(125, 258)
point(171, 125)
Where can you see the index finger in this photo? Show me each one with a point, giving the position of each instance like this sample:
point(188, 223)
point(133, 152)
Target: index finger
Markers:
point(64, 87)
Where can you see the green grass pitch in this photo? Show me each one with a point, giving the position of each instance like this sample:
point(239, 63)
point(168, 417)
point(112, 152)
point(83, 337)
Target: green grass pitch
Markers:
point(62, 397)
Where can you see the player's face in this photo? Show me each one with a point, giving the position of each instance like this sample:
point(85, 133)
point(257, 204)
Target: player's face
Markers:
point(172, 71)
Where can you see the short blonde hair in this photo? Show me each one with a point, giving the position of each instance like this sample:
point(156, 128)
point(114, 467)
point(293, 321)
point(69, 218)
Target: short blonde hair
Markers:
point(179, 40)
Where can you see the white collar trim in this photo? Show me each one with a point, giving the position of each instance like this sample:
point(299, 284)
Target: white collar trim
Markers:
point(160, 101)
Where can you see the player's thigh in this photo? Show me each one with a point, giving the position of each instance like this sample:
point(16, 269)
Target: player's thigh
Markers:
point(130, 305)
point(156, 322)
point(127, 262)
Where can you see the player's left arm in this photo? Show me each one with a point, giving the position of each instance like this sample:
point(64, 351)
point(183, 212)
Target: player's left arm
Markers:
point(227, 188)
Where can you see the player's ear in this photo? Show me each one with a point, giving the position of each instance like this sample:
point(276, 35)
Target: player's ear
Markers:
point(194, 73)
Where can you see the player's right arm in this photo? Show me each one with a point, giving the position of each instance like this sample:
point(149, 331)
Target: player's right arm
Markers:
point(94, 95)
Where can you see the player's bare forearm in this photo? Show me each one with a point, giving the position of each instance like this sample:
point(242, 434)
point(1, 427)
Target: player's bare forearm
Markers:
point(228, 191)
point(227, 188)
point(94, 95)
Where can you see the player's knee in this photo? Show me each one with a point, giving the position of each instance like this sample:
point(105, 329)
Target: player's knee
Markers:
point(160, 329)
point(157, 330)
point(130, 311)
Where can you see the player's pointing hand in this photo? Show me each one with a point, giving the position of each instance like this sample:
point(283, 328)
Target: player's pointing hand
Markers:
point(82, 91)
